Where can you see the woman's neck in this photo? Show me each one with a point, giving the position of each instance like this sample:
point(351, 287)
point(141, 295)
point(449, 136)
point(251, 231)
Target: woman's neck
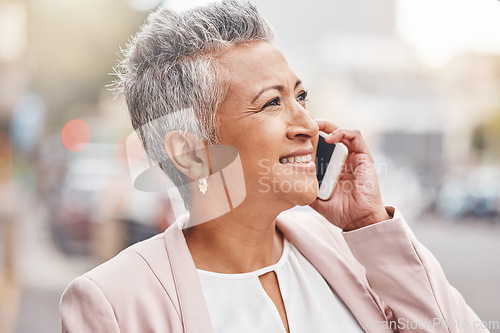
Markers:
point(243, 240)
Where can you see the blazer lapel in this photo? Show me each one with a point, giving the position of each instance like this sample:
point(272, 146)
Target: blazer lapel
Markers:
point(336, 272)
point(329, 263)
point(193, 308)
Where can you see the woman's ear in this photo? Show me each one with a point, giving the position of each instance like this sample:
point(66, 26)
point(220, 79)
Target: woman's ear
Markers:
point(187, 153)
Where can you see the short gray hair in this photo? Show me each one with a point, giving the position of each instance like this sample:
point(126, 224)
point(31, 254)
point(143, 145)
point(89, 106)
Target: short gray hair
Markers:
point(170, 67)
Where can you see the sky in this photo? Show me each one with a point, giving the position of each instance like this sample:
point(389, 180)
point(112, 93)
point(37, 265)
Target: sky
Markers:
point(439, 29)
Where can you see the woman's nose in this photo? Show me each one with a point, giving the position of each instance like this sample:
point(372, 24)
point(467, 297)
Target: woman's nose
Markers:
point(302, 124)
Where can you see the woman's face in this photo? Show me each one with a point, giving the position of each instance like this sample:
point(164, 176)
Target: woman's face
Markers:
point(264, 116)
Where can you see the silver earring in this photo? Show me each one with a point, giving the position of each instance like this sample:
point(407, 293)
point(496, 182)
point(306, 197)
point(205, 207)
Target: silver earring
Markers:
point(202, 184)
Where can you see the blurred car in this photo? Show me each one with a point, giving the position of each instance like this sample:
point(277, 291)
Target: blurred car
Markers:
point(87, 174)
point(97, 211)
point(474, 193)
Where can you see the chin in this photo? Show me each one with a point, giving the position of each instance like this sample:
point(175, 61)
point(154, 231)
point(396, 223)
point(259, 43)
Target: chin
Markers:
point(303, 198)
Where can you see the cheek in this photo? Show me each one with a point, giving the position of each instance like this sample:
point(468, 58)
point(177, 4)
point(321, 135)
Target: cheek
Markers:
point(259, 156)
point(270, 131)
point(259, 137)
point(259, 140)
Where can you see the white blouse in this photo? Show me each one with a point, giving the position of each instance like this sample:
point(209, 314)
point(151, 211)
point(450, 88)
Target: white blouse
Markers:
point(237, 303)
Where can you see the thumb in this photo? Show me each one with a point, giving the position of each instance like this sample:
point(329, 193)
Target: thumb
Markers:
point(317, 205)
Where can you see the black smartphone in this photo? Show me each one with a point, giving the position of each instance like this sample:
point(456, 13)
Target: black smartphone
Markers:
point(329, 161)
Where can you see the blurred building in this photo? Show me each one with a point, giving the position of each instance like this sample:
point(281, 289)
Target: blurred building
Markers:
point(469, 87)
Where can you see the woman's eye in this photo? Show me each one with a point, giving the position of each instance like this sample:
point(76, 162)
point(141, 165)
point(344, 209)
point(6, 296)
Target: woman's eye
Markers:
point(274, 102)
point(302, 96)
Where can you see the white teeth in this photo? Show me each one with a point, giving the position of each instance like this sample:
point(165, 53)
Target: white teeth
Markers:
point(296, 159)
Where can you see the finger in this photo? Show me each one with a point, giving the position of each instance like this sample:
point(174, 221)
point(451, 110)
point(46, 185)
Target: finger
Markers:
point(352, 139)
point(326, 126)
point(314, 205)
point(319, 205)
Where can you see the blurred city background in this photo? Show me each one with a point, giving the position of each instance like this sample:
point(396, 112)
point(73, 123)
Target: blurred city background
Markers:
point(420, 79)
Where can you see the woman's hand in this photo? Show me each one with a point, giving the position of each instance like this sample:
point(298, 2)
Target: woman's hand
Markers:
point(356, 200)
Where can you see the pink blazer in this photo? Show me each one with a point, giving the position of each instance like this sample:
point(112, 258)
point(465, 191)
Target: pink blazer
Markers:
point(388, 280)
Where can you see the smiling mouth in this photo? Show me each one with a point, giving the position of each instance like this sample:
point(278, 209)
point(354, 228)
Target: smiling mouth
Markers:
point(303, 163)
point(296, 159)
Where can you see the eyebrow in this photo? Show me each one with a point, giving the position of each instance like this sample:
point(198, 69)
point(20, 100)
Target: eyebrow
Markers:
point(278, 87)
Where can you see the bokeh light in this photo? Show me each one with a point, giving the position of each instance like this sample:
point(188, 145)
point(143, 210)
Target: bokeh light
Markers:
point(75, 135)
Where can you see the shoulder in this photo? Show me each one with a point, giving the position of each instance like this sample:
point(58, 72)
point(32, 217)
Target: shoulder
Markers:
point(130, 264)
point(123, 287)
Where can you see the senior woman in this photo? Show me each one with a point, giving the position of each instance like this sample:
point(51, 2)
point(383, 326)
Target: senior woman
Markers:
point(352, 266)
